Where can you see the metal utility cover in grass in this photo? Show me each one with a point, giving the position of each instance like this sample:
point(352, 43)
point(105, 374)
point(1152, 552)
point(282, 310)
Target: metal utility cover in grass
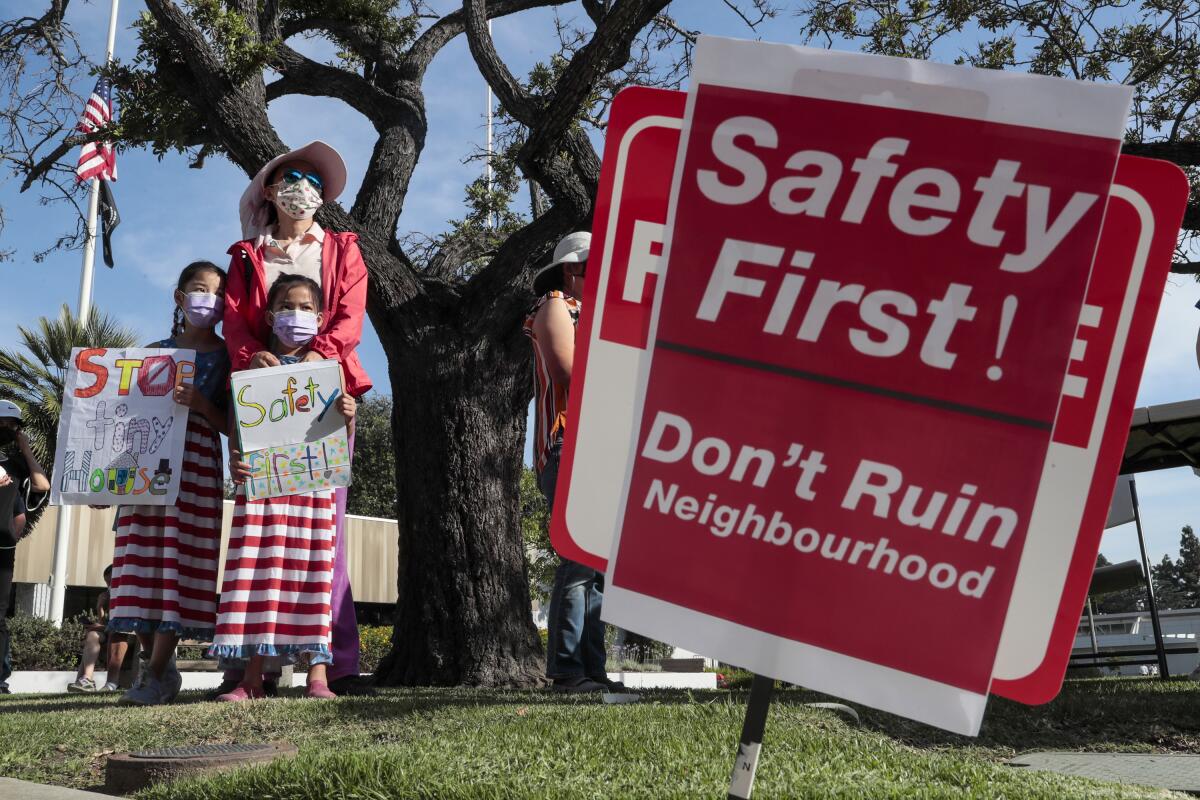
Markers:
point(1177, 771)
point(128, 772)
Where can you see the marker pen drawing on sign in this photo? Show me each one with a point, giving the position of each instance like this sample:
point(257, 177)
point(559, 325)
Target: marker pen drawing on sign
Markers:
point(109, 427)
point(274, 409)
point(327, 403)
point(83, 362)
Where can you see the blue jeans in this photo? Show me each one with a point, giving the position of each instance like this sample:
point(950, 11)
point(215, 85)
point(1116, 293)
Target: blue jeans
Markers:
point(575, 647)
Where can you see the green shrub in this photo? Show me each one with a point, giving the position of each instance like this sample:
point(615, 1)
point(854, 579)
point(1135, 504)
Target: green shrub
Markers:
point(374, 642)
point(37, 644)
point(630, 665)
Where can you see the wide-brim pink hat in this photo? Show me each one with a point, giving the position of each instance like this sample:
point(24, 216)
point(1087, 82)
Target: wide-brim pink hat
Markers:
point(252, 209)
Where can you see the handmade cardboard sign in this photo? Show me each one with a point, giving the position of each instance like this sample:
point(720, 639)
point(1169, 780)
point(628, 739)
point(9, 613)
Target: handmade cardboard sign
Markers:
point(605, 376)
point(121, 433)
point(291, 432)
point(869, 307)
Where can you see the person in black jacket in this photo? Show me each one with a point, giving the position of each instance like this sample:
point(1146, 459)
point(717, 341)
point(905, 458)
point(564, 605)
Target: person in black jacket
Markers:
point(20, 476)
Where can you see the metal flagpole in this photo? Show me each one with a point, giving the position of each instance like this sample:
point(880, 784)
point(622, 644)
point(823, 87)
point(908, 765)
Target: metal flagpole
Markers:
point(490, 221)
point(89, 245)
point(62, 530)
point(1163, 672)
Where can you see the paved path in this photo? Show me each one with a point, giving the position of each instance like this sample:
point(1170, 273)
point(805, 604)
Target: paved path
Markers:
point(1178, 771)
point(25, 790)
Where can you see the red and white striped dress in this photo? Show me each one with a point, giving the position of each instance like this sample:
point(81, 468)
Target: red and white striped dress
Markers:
point(275, 597)
point(165, 563)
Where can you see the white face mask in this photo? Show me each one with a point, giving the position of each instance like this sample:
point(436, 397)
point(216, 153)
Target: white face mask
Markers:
point(299, 200)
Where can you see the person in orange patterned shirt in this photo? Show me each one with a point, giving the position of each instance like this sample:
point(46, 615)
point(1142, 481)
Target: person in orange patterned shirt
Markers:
point(575, 654)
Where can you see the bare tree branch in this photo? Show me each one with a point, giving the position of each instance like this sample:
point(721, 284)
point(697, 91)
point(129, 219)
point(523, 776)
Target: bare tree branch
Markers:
point(609, 48)
point(301, 75)
point(508, 89)
point(445, 29)
point(384, 187)
point(35, 172)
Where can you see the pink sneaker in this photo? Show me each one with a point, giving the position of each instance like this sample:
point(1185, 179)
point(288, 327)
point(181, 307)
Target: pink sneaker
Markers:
point(319, 690)
point(241, 693)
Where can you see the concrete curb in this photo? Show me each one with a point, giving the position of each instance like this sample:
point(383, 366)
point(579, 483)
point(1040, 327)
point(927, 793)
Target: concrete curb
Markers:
point(666, 680)
point(24, 790)
point(55, 681)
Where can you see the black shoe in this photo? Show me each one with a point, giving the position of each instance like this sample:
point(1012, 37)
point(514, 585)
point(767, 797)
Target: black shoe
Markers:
point(578, 685)
point(351, 686)
point(271, 687)
point(613, 686)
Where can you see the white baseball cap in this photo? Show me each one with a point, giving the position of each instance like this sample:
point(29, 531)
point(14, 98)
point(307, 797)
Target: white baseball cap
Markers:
point(572, 249)
point(252, 209)
point(9, 410)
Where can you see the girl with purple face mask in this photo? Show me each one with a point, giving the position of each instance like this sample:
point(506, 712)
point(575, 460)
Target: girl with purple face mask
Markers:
point(164, 583)
point(291, 618)
point(199, 308)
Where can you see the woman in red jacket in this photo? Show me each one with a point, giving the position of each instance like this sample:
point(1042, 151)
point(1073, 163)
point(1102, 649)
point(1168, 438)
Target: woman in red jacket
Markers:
point(281, 237)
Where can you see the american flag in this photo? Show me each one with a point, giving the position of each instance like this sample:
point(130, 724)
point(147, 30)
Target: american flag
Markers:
point(97, 159)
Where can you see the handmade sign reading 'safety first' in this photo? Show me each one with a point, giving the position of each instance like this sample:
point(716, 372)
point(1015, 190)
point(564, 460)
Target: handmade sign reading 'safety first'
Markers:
point(871, 291)
point(121, 433)
point(292, 434)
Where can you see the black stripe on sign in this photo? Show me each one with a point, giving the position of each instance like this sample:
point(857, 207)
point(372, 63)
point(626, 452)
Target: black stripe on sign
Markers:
point(907, 397)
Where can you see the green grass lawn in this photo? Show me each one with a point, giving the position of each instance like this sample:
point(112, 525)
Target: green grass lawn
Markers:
point(458, 743)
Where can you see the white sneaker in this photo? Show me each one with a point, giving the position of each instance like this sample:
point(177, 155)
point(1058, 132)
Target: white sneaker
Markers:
point(151, 692)
point(109, 687)
point(81, 686)
point(620, 698)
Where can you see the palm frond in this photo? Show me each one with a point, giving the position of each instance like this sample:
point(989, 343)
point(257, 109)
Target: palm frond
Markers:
point(34, 379)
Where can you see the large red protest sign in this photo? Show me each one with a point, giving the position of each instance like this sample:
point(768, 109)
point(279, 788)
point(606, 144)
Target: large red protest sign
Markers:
point(856, 309)
point(1115, 329)
point(642, 138)
point(1145, 207)
point(1113, 335)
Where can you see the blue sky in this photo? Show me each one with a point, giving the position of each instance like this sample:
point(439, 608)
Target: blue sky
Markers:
point(172, 215)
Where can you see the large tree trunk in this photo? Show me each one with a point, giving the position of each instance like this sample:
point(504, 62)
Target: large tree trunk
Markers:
point(463, 616)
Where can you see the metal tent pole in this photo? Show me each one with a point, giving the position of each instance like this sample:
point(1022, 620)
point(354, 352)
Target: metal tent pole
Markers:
point(1163, 671)
point(1092, 630)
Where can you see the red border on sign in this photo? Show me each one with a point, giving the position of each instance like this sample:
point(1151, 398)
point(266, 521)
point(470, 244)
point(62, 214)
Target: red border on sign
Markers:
point(630, 106)
point(1157, 182)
